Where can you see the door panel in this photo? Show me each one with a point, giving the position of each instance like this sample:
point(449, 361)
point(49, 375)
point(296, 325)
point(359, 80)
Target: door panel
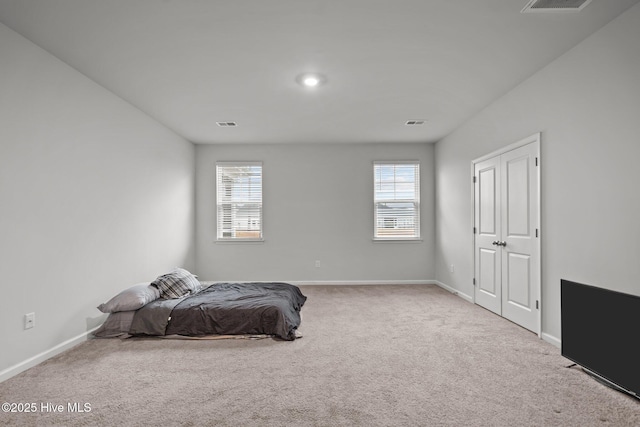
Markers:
point(518, 280)
point(488, 274)
point(487, 198)
point(517, 203)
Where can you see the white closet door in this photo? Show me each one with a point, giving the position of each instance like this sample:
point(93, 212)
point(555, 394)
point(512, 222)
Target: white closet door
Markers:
point(520, 260)
point(506, 247)
point(487, 219)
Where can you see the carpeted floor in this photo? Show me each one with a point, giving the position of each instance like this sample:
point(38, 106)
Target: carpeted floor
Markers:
point(370, 355)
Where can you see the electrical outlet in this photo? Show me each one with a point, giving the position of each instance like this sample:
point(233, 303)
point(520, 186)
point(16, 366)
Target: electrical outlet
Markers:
point(317, 264)
point(29, 320)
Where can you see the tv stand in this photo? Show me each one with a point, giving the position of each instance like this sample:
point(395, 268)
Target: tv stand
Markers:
point(608, 383)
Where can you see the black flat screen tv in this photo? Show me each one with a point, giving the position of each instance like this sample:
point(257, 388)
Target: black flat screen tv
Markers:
point(601, 333)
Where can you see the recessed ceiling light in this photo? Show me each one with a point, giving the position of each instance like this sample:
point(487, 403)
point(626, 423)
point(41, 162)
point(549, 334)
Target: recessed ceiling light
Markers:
point(311, 80)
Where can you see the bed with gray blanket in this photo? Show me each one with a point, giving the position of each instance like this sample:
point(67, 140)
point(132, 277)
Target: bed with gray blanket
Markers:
point(225, 309)
point(216, 309)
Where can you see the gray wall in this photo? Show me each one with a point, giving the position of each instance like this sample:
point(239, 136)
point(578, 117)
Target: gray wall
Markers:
point(318, 205)
point(95, 196)
point(586, 104)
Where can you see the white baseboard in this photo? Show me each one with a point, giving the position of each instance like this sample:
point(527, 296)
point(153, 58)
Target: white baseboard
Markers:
point(551, 339)
point(454, 291)
point(361, 282)
point(47, 354)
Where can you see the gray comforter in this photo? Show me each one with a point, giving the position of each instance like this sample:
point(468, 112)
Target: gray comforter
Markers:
point(225, 308)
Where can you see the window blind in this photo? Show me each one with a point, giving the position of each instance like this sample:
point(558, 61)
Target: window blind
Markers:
point(396, 200)
point(239, 200)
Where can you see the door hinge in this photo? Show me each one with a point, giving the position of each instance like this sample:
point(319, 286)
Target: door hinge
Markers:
point(537, 304)
point(536, 161)
point(474, 179)
point(536, 232)
point(474, 230)
point(474, 281)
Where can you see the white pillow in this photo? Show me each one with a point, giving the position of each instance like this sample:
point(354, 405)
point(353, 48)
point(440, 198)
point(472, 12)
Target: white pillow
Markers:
point(132, 298)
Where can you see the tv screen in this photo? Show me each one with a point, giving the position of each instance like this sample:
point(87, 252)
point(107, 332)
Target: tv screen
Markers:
point(601, 333)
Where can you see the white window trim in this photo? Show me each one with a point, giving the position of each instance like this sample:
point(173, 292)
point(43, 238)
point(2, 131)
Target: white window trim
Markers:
point(398, 239)
point(240, 240)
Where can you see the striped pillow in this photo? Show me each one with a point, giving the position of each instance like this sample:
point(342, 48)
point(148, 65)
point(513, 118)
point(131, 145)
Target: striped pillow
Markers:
point(177, 284)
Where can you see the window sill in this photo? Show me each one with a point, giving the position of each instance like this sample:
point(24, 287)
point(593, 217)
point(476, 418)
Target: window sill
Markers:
point(396, 240)
point(238, 241)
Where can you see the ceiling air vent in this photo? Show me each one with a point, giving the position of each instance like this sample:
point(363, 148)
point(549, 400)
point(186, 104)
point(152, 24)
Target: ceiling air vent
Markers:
point(555, 6)
point(414, 122)
point(226, 124)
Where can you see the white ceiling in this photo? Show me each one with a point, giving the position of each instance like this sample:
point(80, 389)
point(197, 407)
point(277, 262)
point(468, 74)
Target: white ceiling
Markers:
point(191, 63)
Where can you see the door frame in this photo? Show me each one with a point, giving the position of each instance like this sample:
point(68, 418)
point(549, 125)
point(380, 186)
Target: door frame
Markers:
point(535, 138)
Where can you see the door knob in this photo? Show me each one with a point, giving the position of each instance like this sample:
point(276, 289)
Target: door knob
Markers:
point(495, 242)
point(503, 243)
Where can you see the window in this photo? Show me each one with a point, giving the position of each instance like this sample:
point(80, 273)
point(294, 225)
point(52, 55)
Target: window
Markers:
point(396, 199)
point(239, 200)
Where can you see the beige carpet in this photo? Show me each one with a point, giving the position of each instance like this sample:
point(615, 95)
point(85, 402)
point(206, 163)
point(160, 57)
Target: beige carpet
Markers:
point(371, 355)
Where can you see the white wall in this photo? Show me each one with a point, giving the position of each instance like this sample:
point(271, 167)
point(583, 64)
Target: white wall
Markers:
point(318, 205)
point(95, 196)
point(587, 106)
